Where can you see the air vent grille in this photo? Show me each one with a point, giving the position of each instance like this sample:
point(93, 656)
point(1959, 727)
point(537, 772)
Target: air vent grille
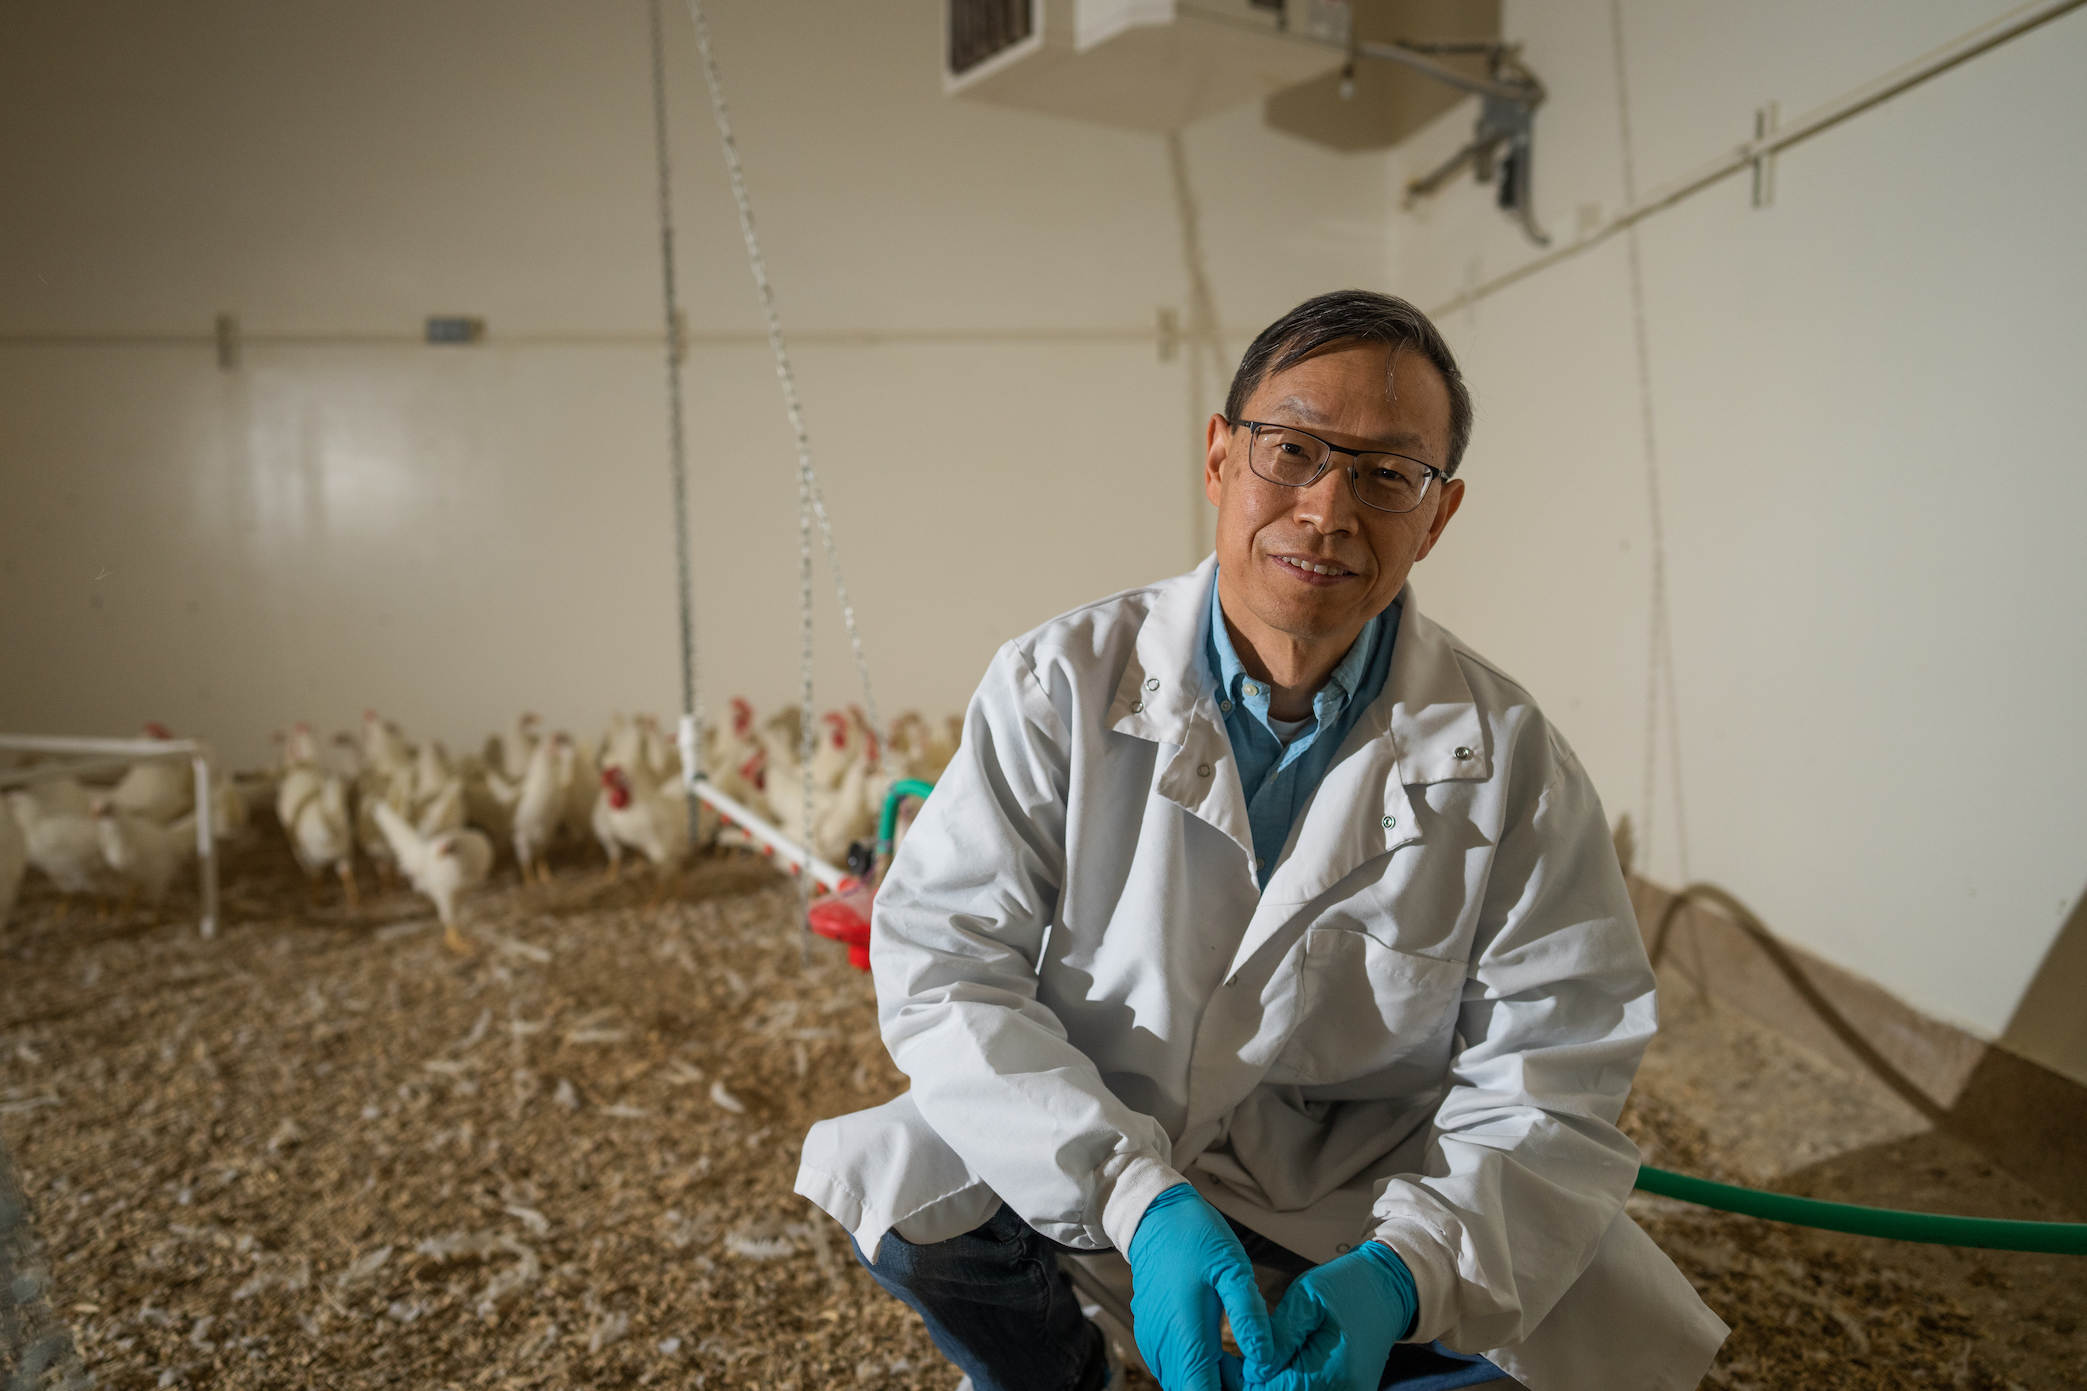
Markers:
point(981, 30)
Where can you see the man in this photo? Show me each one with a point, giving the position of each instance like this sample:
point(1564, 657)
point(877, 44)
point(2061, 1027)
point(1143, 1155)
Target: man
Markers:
point(1258, 921)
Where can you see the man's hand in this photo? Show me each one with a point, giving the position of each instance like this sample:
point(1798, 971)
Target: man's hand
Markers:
point(1185, 1266)
point(1335, 1328)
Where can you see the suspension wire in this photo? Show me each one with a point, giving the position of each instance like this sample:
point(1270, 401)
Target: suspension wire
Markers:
point(1204, 340)
point(691, 734)
point(811, 496)
point(1659, 671)
point(809, 503)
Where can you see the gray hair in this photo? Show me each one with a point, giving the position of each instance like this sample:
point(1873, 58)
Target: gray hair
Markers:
point(1354, 316)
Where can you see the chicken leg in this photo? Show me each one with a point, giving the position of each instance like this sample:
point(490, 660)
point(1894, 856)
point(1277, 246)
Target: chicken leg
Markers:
point(347, 874)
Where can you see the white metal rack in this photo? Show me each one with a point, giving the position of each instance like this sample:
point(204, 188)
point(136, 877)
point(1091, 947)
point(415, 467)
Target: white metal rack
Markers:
point(73, 757)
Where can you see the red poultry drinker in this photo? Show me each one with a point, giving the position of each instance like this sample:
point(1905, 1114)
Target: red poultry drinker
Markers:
point(844, 916)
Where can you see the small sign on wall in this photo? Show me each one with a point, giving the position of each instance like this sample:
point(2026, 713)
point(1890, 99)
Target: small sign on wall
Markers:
point(455, 328)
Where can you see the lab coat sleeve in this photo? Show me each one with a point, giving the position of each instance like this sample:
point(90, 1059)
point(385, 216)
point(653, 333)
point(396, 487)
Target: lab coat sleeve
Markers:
point(1526, 1168)
point(955, 938)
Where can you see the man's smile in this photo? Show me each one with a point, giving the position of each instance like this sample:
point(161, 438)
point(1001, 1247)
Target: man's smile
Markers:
point(1314, 571)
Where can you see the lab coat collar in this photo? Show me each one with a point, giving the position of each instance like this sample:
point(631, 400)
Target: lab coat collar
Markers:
point(1424, 727)
point(1167, 695)
point(1426, 706)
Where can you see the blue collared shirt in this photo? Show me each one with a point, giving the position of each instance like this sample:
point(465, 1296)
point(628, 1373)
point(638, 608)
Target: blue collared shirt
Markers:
point(1279, 779)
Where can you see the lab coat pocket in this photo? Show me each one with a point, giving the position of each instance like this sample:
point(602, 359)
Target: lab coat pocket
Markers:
point(1366, 1007)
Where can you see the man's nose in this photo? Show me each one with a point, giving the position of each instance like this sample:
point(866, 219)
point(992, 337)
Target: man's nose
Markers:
point(1328, 505)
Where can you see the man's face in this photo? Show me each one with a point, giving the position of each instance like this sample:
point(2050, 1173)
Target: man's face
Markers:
point(1357, 396)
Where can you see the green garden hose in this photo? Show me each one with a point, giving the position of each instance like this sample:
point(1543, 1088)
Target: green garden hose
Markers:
point(1986, 1233)
point(889, 821)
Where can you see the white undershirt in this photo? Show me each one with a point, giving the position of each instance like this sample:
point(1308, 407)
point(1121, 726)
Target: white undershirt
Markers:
point(1288, 730)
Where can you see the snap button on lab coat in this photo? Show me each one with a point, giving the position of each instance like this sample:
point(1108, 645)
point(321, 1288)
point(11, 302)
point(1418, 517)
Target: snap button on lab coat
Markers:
point(1343, 1247)
point(1202, 770)
point(1152, 683)
point(1388, 822)
point(1225, 705)
point(1136, 706)
point(1463, 752)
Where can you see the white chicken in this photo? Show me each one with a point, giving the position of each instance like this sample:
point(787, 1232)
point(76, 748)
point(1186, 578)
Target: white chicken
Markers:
point(622, 743)
point(438, 791)
point(158, 789)
point(650, 819)
point(658, 755)
point(840, 812)
point(312, 805)
point(579, 782)
point(540, 806)
point(65, 846)
point(838, 746)
point(230, 812)
point(58, 797)
point(441, 866)
point(374, 781)
point(14, 859)
point(384, 747)
point(923, 753)
point(508, 754)
point(489, 800)
point(145, 854)
point(736, 761)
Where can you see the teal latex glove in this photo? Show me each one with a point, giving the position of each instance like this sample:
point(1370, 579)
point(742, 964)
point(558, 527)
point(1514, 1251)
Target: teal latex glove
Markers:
point(1336, 1325)
point(1186, 1267)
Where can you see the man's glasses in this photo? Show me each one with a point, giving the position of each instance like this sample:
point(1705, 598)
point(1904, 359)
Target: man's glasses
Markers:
point(1295, 458)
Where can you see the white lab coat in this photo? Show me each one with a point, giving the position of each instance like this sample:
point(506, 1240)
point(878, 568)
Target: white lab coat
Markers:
point(1422, 1030)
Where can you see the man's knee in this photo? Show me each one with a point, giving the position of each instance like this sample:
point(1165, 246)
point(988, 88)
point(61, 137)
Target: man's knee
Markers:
point(992, 1262)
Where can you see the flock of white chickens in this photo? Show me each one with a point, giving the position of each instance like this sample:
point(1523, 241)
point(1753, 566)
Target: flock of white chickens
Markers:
point(441, 821)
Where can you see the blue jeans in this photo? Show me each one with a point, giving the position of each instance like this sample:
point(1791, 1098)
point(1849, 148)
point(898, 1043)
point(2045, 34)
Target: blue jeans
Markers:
point(997, 1306)
point(1000, 1309)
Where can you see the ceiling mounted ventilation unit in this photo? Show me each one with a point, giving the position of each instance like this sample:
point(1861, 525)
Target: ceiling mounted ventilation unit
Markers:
point(1152, 65)
point(1373, 105)
point(1350, 74)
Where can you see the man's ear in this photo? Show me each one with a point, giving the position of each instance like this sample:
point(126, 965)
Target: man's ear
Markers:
point(1217, 447)
point(1452, 499)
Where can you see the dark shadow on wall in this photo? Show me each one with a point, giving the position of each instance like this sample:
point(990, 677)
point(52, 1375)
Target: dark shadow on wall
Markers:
point(2023, 1103)
point(2050, 1024)
point(2023, 1115)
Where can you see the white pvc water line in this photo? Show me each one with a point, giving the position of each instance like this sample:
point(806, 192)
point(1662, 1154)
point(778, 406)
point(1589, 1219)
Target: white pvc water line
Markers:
point(1967, 46)
point(772, 841)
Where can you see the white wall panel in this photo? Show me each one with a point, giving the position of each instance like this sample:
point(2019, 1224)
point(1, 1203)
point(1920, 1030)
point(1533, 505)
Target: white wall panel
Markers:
point(1870, 453)
point(450, 534)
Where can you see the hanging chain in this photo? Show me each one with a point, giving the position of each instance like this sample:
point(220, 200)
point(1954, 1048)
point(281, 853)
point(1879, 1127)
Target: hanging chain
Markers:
point(808, 475)
point(808, 502)
point(691, 740)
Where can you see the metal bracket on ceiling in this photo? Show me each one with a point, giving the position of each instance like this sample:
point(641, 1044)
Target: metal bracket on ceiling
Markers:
point(1500, 148)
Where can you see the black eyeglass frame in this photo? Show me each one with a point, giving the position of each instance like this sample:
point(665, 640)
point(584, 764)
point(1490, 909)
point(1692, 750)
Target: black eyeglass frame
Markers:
point(1255, 427)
